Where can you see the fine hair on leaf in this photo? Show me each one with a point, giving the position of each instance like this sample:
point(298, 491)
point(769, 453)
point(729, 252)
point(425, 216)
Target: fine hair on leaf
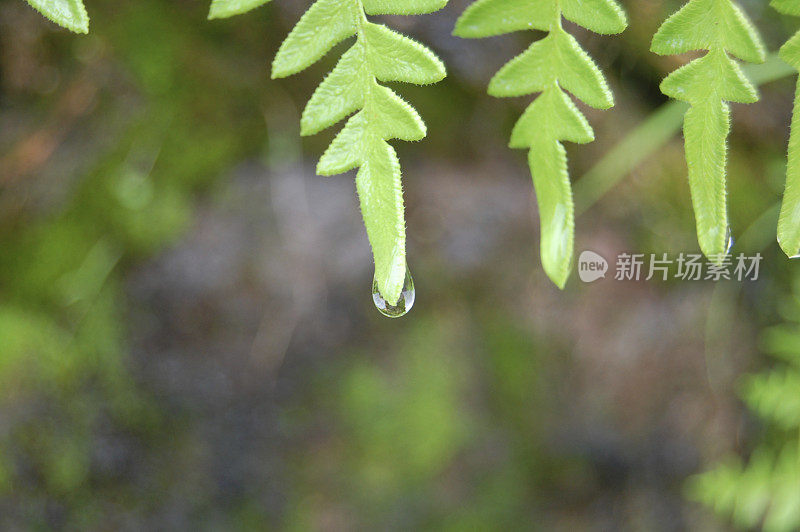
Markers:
point(555, 67)
point(377, 114)
point(69, 14)
point(229, 8)
point(789, 219)
point(708, 84)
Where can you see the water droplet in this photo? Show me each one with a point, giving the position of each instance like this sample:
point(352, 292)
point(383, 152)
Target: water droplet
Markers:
point(796, 256)
point(403, 305)
point(728, 241)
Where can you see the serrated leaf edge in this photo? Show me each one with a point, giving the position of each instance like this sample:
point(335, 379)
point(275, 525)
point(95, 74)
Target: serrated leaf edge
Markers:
point(550, 175)
point(707, 173)
point(369, 147)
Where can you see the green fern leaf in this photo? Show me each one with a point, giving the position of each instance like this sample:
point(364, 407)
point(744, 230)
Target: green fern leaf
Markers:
point(229, 8)
point(69, 14)
point(556, 58)
point(487, 18)
point(789, 219)
point(601, 16)
point(708, 84)
point(324, 25)
point(409, 7)
point(555, 110)
point(788, 7)
point(393, 57)
point(378, 54)
point(709, 25)
point(550, 66)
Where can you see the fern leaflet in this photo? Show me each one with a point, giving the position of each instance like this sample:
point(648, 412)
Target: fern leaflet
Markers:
point(378, 54)
point(69, 14)
point(550, 66)
point(229, 8)
point(789, 220)
point(708, 84)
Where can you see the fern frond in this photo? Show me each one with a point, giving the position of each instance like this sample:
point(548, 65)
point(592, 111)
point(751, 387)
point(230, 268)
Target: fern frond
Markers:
point(708, 84)
point(765, 491)
point(789, 220)
point(551, 67)
point(69, 14)
point(378, 54)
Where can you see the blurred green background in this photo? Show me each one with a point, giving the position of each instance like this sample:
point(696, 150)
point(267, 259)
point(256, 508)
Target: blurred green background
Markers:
point(187, 337)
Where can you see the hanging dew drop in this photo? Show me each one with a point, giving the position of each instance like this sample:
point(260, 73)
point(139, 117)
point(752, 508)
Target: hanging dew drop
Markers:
point(403, 305)
point(728, 241)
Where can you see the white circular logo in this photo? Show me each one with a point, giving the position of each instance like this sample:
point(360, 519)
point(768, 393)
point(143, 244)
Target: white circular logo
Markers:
point(591, 266)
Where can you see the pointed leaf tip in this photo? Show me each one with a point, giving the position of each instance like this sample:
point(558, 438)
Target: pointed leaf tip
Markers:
point(324, 25)
point(787, 7)
point(790, 51)
point(789, 219)
point(599, 16)
point(552, 115)
point(339, 94)
point(381, 197)
point(714, 76)
point(394, 118)
point(709, 24)
point(378, 54)
point(69, 14)
point(706, 128)
point(486, 18)
point(558, 58)
point(346, 151)
point(395, 57)
point(548, 165)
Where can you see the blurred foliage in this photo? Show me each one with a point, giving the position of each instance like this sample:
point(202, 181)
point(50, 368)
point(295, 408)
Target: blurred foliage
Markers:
point(64, 379)
point(408, 446)
point(766, 489)
point(494, 406)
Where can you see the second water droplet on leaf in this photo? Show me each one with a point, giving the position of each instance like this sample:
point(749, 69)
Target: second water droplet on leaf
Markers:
point(403, 305)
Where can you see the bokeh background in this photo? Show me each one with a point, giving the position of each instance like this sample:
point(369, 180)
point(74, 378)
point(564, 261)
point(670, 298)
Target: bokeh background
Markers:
point(187, 336)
